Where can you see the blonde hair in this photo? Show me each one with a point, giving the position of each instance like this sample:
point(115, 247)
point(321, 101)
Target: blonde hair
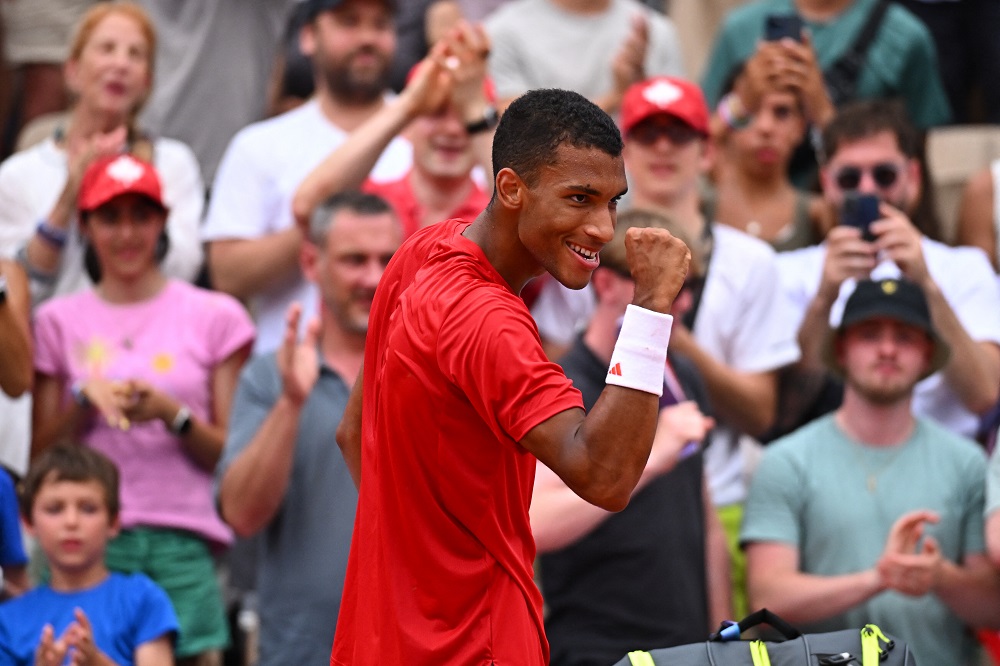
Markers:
point(85, 30)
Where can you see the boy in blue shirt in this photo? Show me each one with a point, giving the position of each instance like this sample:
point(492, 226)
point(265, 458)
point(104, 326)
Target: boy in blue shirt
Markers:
point(69, 504)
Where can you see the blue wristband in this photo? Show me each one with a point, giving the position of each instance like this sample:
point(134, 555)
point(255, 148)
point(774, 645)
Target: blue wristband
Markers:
point(52, 235)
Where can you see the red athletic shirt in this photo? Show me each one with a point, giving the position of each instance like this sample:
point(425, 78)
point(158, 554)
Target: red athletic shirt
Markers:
point(399, 194)
point(440, 570)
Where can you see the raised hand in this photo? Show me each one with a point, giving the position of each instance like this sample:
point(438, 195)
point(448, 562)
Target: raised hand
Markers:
point(901, 242)
point(659, 263)
point(468, 51)
point(80, 153)
point(847, 256)
point(298, 362)
point(801, 73)
point(676, 426)
point(430, 86)
point(628, 65)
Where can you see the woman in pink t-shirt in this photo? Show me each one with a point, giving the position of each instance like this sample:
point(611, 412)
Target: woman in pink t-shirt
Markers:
point(142, 368)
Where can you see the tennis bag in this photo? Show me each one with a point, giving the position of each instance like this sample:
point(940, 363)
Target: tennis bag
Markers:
point(850, 647)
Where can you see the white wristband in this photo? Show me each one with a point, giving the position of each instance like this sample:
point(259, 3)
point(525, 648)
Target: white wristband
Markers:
point(640, 354)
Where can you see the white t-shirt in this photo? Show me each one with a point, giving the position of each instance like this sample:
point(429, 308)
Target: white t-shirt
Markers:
point(537, 44)
point(32, 180)
point(743, 321)
point(253, 190)
point(969, 285)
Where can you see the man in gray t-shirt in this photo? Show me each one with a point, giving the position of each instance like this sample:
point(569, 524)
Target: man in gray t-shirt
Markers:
point(281, 473)
point(871, 515)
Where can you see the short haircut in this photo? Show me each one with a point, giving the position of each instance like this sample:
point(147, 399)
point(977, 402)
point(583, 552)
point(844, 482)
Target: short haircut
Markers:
point(613, 254)
point(539, 121)
point(354, 201)
point(864, 119)
point(70, 462)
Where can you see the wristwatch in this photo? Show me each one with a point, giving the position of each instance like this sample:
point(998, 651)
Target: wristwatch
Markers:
point(489, 120)
point(3, 289)
point(183, 422)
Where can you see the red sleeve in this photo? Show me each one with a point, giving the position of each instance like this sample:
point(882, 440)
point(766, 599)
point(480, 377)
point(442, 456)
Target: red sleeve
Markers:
point(489, 347)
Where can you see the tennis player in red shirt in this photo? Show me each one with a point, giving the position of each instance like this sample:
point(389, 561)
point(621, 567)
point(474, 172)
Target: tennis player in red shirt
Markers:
point(459, 399)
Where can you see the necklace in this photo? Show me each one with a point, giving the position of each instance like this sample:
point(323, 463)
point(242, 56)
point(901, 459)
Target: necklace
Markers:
point(871, 475)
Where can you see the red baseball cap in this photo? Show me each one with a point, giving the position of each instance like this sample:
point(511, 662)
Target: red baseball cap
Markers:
point(115, 175)
point(670, 95)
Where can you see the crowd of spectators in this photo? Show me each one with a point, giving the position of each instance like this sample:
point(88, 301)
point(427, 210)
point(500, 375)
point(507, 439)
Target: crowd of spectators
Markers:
point(197, 201)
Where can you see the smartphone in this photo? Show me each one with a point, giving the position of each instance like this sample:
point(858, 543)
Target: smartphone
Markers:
point(779, 26)
point(859, 211)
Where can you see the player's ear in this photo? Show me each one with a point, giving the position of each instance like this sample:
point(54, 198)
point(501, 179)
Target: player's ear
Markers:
point(510, 189)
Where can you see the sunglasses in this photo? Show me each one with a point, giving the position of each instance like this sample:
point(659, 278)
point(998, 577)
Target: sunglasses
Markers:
point(679, 134)
point(885, 175)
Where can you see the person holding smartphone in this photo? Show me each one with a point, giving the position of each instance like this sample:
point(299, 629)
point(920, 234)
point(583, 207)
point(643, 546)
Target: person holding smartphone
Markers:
point(871, 149)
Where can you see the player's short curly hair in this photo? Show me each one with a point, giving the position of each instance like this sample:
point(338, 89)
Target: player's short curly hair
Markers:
point(538, 122)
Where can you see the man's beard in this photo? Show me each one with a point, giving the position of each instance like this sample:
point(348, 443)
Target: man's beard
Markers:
point(344, 85)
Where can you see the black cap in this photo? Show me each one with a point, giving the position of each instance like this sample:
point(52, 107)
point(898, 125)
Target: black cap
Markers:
point(312, 8)
point(900, 300)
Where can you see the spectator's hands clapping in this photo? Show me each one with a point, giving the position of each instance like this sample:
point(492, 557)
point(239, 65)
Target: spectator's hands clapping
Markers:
point(80, 636)
point(628, 65)
point(50, 651)
point(298, 362)
point(468, 52)
point(81, 152)
point(145, 402)
point(908, 565)
point(430, 86)
point(901, 242)
point(109, 397)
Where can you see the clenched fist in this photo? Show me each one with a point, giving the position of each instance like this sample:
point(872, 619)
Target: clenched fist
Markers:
point(659, 264)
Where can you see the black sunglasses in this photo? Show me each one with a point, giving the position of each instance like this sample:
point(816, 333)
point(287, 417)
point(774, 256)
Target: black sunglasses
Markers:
point(885, 174)
point(679, 134)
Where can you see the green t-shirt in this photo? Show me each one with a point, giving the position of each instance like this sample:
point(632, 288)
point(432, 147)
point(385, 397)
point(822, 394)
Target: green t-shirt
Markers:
point(901, 61)
point(813, 489)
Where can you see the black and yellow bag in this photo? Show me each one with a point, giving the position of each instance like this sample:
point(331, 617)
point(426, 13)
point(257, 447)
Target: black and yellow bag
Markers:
point(867, 646)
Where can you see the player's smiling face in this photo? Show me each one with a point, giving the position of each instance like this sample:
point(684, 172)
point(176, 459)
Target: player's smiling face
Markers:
point(570, 211)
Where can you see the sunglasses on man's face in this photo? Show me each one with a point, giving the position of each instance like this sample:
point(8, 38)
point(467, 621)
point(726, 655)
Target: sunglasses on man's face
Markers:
point(884, 174)
point(677, 133)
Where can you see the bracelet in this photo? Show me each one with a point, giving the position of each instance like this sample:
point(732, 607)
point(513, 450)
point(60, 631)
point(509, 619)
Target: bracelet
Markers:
point(78, 395)
point(732, 111)
point(52, 234)
point(34, 274)
point(182, 423)
point(640, 356)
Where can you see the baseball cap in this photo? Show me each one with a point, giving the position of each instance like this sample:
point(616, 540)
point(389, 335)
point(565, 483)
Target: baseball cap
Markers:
point(312, 8)
point(115, 175)
point(899, 300)
point(671, 95)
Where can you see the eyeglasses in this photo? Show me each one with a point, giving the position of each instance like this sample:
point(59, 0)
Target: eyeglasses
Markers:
point(885, 175)
point(677, 133)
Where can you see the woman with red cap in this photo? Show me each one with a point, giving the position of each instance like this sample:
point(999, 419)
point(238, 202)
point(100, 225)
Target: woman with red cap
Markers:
point(142, 368)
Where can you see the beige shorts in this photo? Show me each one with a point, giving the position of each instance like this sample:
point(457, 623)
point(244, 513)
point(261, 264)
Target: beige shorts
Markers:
point(38, 31)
